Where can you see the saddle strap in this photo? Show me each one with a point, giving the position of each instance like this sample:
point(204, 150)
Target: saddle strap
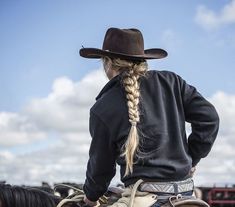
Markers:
point(179, 201)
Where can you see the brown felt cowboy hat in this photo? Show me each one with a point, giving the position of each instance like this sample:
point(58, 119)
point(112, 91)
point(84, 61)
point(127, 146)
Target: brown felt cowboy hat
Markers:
point(124, 44)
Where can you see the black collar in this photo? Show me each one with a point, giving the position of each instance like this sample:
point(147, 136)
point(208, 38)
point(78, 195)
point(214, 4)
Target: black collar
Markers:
point(109, 85)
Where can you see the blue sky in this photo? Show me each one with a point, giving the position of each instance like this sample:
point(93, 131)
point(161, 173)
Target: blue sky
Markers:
point(40, 42)
point(46, 88)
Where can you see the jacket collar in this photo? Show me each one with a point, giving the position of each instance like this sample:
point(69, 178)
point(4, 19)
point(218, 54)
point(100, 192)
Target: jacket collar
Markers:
point(109, 85)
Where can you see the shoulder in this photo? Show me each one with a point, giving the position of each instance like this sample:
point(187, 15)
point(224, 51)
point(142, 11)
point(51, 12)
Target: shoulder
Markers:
point(111, 104)
point(163, 75)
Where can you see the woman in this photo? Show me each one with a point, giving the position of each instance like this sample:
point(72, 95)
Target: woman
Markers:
point(138, 122)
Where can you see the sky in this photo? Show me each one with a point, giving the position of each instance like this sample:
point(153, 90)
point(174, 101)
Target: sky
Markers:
point(47, 89)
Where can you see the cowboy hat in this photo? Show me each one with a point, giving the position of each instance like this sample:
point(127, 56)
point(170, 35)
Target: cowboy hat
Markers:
point(124, 44)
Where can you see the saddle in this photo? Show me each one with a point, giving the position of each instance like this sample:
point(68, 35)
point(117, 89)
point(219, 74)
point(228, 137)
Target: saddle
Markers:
point(148, 199)
point(132, 197)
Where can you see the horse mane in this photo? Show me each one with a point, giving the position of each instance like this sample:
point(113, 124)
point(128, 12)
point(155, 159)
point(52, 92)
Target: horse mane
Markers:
point(16, 196)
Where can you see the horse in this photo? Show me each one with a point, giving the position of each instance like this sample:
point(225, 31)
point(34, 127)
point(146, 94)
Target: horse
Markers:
point(18, 196)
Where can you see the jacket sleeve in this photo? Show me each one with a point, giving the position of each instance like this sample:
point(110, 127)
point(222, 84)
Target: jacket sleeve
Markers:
point(101, 166)
point(204, 122)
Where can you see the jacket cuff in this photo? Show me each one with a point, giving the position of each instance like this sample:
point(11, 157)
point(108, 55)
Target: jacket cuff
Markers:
point(195, 161)
point(92, 196)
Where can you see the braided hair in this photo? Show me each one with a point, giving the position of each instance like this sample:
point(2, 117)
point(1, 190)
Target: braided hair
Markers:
point(133, 70)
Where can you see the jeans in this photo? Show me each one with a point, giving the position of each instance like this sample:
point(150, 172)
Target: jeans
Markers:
point(163, 201)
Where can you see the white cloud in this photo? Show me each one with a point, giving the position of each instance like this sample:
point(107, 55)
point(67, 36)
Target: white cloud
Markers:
point(225, 104)
point(16, 129)
point(219, 166)
point(65, 112)
point(6, 155)
point(209, 19)
point(66, 108)
point(62, 162)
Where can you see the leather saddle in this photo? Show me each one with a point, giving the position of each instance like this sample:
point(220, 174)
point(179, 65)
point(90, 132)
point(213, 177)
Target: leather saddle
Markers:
point(173, 201)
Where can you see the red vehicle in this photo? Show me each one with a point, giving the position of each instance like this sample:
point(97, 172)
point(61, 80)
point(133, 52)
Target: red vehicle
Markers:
point(217, 196)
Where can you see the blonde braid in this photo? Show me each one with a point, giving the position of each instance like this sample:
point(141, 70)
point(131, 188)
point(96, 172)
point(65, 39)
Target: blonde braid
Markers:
point(131, 75)
point(131, 84)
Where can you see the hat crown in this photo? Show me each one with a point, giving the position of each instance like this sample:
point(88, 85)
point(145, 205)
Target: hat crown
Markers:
point(125, 41)
point(126, 44)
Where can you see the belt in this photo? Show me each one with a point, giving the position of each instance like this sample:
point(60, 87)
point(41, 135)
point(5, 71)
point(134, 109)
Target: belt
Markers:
point(168, 187)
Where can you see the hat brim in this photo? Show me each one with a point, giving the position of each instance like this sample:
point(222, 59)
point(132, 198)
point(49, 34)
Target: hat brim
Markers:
point(155, 53)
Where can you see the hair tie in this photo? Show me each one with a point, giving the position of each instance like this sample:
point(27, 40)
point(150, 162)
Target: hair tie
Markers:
point(133, 123)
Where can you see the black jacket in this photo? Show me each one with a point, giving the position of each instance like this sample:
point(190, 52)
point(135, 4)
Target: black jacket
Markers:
point(166, 102)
